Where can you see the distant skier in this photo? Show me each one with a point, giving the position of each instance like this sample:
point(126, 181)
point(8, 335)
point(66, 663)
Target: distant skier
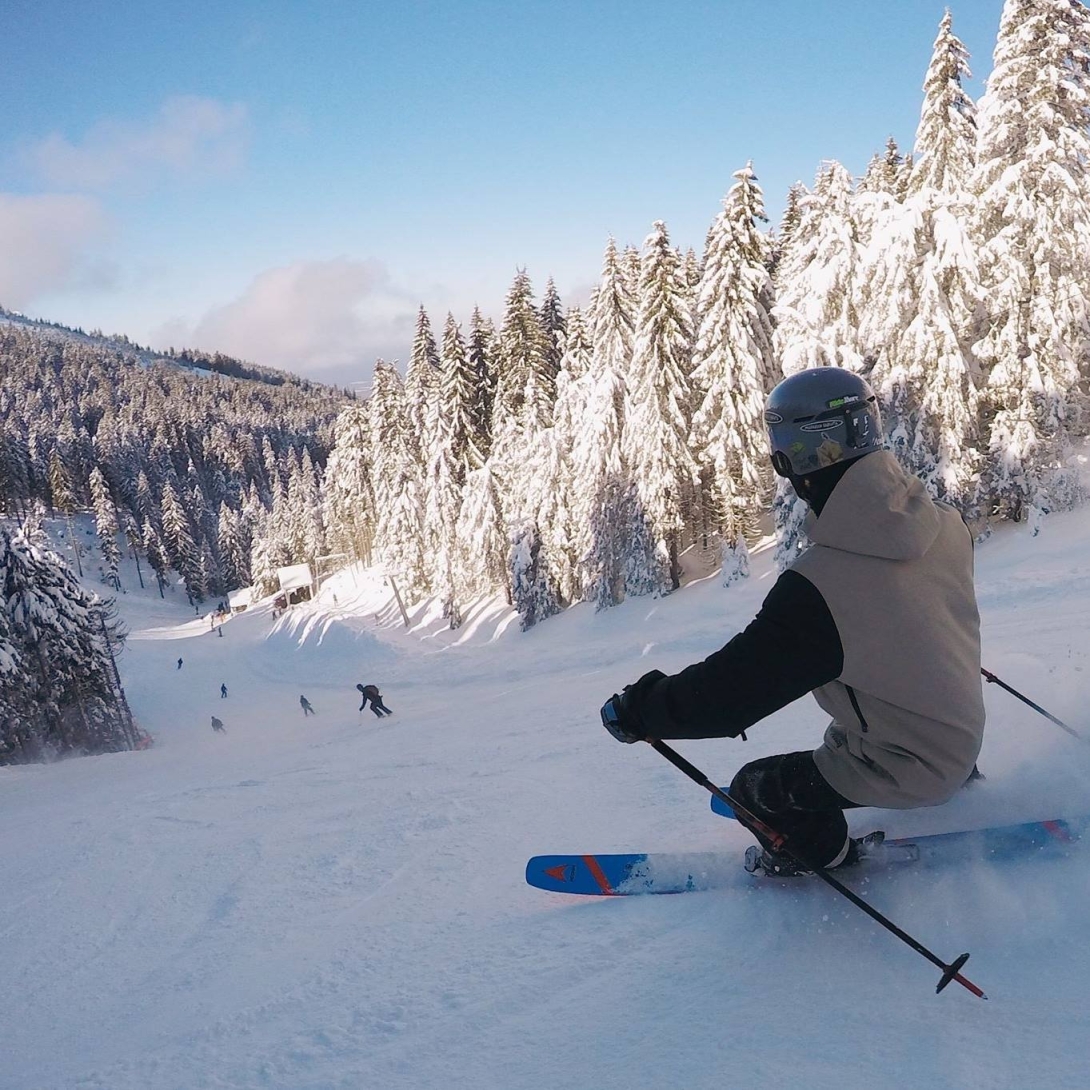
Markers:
point(370, 692)
point(223, 691)
point(217, 725)
point(179, 664)
point(305, 705)
point(878, 618)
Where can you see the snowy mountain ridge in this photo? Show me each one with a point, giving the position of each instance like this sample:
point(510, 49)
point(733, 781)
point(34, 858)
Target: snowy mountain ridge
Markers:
point(196, 362)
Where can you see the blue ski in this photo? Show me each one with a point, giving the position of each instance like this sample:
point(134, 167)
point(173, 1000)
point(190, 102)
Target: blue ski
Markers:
point(681, 872)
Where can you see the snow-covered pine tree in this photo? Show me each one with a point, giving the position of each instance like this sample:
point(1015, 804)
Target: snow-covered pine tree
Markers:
point(921, 277)
point(782, 238)
point(55, 630)
point(314, 534)
point(552, 325)
point(593, 405)
point(268, 553)
point(450, 458)
point(552, 489)
point(734, 368)
point(631, 264)
point(658, 408)
point(482, 546)
point(105, 525)
point(234, 548)
point(348, 493)
point(147, 506)
point(181, 550)
point(398, 483)
point(613, 320)
point(565, 534)
point(421, 386)
point(946, 135)
point(209, 581)
point(692, 270)
point(525, 389)
point(875, 203)
point(1032, 228)
point(482, 337)
point(61, 486)
point(816, 280)
point(887, 172)
point(155, 549)
point(131, 529)
point(17, 720)
point(524, 398)
point(14, 478)
point(533, 593)
point(271, 466)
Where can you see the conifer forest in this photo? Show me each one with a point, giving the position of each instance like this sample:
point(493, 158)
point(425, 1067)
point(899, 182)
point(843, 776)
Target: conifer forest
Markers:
point(562, 454)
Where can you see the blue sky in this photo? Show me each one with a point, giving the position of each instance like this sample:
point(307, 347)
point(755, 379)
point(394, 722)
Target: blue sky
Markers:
point(289, 181)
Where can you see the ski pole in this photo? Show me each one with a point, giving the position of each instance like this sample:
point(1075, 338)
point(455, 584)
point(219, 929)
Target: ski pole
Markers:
point(949, 972)
point(1025, 700)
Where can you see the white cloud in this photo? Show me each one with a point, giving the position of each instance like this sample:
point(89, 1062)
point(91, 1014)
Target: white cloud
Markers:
point(190, 136)
point(43, 244)
point(328, 320)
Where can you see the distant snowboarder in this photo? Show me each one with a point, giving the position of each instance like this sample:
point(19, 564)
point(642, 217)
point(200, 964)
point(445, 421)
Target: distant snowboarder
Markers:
point(217, 725)
point(305, 705)
point(223, 691)
point(370, 692)
point(179, 664)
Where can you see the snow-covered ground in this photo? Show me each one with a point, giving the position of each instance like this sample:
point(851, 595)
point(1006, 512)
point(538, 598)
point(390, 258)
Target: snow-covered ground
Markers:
point(338, 901)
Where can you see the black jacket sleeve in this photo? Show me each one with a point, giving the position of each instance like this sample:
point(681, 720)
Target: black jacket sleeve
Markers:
point(791, 647)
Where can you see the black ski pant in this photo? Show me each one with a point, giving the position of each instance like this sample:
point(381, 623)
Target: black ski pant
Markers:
point(378, 707)
point(790, 795)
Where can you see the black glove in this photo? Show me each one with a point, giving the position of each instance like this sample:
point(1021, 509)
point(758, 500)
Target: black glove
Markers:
point(621, 712)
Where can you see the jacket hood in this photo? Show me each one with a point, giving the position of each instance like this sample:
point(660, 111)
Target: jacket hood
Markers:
point(877, 509)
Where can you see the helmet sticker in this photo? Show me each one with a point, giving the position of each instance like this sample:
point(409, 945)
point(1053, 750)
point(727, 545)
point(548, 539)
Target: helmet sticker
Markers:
point(822, 425)
point(838, 402)
point(772, 417)
point(829, 453)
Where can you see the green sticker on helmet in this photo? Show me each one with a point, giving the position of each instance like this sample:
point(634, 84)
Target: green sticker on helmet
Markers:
point(838, 402)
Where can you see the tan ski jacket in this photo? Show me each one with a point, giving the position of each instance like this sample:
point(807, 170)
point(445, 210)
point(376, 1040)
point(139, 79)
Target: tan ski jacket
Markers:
point(879, 620)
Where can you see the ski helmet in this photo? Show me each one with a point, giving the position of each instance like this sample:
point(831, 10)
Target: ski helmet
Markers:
point(820, 417)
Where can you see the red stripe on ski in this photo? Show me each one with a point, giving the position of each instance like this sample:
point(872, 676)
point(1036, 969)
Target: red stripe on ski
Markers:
point(598, 874)
point(1059, 830)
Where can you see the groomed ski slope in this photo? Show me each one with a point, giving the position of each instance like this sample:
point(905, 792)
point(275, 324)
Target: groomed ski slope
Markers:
point(338, 902)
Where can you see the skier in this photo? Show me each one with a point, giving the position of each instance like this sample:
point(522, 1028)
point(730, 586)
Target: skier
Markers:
point(305, 705)
point(370, 692)
point(217, 725)
point(179, 664)
point(878, 618)
point(223, 691)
